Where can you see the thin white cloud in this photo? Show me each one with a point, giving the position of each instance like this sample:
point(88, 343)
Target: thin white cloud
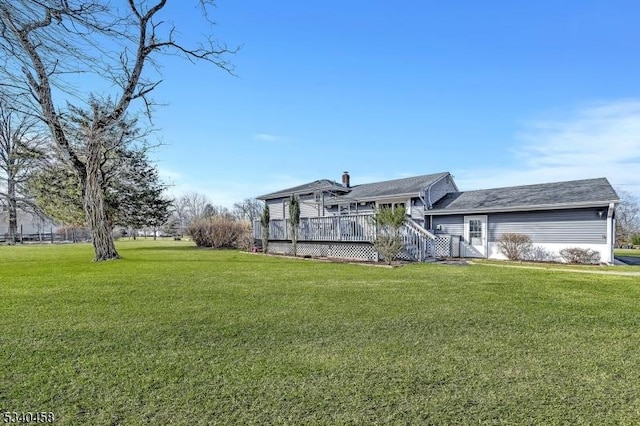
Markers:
point(266, 137)
point(597, 141)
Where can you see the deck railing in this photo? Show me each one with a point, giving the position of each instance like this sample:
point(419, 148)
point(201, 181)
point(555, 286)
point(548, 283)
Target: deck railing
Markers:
point(329, 228)
point(419, 243)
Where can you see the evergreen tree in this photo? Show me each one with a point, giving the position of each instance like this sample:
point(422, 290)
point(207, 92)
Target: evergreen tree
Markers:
point(264, 221)
point(133, 192)
point(294, 221)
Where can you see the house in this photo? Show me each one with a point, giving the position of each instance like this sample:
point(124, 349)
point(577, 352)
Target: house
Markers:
point(336, 217)
point(30, 226)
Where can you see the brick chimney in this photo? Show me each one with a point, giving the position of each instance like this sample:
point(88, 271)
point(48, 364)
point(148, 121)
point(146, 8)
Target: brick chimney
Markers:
point(346, 180)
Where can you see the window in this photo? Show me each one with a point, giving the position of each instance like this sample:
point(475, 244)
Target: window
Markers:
point(391, 206)
point(344, 209)
point(475, 229)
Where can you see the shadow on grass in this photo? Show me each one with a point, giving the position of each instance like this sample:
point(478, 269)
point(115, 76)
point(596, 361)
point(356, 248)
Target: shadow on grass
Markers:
point(248, 258)
point(162, 248)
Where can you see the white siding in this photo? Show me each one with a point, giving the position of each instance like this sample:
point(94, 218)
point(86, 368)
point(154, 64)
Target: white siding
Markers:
point(417, 210)
point(308, 206)
point(275, 208)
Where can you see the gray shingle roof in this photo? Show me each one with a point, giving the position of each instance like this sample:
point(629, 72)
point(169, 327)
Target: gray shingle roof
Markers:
point(307, 188)
point(410, 185)
point(387, 188)
point(557, 194)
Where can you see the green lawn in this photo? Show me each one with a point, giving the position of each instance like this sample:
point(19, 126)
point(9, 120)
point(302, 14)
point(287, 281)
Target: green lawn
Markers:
point(627, 252)
point(174, 334)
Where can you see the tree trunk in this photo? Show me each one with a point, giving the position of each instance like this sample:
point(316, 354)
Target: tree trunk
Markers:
point(13, 211)
point(97, 219)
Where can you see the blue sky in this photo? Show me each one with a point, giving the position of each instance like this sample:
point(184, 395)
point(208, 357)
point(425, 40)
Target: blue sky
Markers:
point(498, 93)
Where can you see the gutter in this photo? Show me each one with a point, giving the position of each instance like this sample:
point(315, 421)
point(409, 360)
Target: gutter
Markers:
point(523, 208)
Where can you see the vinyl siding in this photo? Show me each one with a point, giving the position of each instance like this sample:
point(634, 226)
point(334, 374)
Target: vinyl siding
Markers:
point(308, 206)
point(275, 208)
point(417, 209)
point(576, 226)
point(441, 188)
point(451, 225)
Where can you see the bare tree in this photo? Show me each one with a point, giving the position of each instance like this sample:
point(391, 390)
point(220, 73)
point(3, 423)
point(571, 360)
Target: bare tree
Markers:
point(195, 205)
point(627, 217)
point(211, 210)
point(248, 209)
point(187, 208)
point(21, 151)
point(44, 45)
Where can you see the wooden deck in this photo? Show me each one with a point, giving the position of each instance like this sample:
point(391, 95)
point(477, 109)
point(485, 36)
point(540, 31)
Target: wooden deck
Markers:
point(419, 243)
point(356, 228)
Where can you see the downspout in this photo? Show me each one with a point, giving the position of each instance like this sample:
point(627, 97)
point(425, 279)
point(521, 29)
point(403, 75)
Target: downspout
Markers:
point(611, 231)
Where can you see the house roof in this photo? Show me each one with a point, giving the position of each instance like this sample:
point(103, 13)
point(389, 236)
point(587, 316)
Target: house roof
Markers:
point(577, 193)
point(388, 188)
point(397, 187)
point(307, 188)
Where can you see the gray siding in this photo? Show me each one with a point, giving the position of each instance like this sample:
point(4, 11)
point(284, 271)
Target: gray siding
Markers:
point(451, 225)
point(441, 188)
point(576, 226)
point(367, 208)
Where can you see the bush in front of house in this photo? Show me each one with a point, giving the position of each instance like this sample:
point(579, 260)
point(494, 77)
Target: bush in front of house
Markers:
point(220, 232)
point(580, 255)
point(539, 254)
point(388, 242)
point(514, 246)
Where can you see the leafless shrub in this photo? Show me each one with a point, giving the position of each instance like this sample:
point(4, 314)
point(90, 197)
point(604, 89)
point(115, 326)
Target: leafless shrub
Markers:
point(514, 246)
point(580, 255)
point(220, 232)
point(539, 254)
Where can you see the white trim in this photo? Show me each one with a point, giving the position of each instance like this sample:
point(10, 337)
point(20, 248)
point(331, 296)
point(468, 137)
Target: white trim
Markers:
point(472, 251)
point(611, 234)
point(553, 249)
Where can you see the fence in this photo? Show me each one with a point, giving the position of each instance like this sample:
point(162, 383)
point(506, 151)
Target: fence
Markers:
point(53, 235)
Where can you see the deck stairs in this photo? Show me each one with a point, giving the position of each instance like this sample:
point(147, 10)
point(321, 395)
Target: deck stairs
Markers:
point(418, 242)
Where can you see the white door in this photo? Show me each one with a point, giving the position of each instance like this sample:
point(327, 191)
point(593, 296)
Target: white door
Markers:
point(475, 236)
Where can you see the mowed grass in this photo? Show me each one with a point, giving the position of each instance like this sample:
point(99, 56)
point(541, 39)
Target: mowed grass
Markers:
point(628, 252)
point(172, 334)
